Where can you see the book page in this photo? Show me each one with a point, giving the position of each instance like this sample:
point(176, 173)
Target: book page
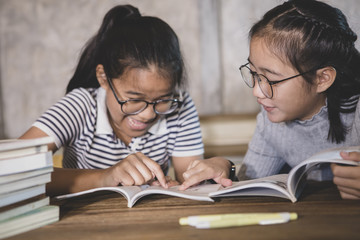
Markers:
point(298, 175)
point(268, 186)
point(12, 144)
point(26, 206)
point(333, 153)
point(23, 151)
point(134, 193)
point(16, 196)
point(25, 163)
point(28, 220)
point(126, 191)
point(23, 175)
point(200, 192)
point(25, 183)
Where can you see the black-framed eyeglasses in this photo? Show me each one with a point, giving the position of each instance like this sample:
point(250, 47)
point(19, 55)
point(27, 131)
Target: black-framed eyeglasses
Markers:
point(135, 106)
point(265, 84)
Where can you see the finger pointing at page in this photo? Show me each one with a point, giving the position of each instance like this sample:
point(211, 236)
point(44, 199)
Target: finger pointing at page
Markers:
point(155, 169)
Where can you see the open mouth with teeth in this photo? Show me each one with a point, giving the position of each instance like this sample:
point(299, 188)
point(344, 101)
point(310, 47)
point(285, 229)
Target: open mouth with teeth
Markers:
point(137, 125)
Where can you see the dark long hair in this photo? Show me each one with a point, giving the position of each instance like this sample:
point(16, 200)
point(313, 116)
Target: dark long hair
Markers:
point(128, 40)
point(308, 34)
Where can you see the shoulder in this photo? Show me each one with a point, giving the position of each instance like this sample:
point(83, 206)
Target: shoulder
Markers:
point(79, 103)
point(188, 105)
point(185, 117)
point(187, 98)
point(69, 116)
point(358, 106)
point(354, 121)
point(80, 98)
point(186, 110)
point(82, 94)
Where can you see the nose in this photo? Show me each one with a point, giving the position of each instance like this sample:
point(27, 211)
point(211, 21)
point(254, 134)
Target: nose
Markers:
point(148, 113)
point(257, 92)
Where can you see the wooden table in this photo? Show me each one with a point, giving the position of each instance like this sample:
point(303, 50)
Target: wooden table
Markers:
point(322, 215)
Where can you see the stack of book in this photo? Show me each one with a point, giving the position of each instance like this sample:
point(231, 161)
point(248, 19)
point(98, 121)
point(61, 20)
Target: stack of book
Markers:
point(25, 168)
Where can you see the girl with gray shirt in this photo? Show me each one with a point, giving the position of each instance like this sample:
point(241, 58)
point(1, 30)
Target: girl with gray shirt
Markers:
point(305, 73)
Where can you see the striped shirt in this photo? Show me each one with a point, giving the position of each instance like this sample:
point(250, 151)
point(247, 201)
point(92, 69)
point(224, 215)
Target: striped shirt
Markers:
point(79, 123)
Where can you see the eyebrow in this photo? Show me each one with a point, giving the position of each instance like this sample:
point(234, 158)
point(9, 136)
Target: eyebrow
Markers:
point(266, 69)
point(141, 95)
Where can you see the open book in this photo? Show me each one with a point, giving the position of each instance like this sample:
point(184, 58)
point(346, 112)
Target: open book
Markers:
point(288, 185)
point(282, 185)
point(134, 193)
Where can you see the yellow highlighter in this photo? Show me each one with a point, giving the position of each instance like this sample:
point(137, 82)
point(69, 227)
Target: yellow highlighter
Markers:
point(237, 219)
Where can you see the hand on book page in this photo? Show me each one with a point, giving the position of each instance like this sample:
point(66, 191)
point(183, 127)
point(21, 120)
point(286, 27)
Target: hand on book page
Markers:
point(347, 178)
point(287, 185)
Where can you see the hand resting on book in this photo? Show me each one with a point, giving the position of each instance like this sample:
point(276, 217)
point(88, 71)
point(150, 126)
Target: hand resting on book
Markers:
point(135, 169)
point(212, 168)
point(347, 178)
point(169, 181)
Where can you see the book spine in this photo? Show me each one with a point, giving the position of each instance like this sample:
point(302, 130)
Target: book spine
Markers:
point(26, 163)
point(23, 184)
point(13, 197)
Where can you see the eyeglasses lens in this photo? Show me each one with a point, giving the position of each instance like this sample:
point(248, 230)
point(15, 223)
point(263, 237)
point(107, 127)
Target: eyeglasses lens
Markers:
point(247, 76)
point(133, 106)
point(264, 86)
point(165, 106)
point(137, 106)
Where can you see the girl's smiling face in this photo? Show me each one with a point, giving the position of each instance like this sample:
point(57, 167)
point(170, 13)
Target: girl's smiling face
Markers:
point(293, 99)
point(135, 83)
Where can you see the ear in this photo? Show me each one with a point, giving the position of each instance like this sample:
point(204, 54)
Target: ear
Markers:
point(101, 76)
point(325, 77)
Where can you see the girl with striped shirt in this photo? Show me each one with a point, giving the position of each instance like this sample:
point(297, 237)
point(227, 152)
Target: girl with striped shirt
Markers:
point(125, 114)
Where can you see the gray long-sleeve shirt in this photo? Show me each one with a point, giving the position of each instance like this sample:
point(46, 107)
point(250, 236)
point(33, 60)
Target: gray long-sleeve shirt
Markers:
point(275, 144)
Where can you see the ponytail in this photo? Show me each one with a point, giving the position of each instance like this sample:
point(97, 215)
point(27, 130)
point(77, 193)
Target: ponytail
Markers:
point(84, 75)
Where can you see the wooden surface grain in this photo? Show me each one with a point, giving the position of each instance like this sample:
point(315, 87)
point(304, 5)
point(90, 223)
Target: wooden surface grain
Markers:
point(322, 215)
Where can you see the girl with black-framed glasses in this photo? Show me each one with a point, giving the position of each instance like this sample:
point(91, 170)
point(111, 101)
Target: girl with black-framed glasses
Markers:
point(304, 70)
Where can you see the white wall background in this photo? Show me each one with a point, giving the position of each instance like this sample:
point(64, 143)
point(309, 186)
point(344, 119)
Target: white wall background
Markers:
point(40, 41)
